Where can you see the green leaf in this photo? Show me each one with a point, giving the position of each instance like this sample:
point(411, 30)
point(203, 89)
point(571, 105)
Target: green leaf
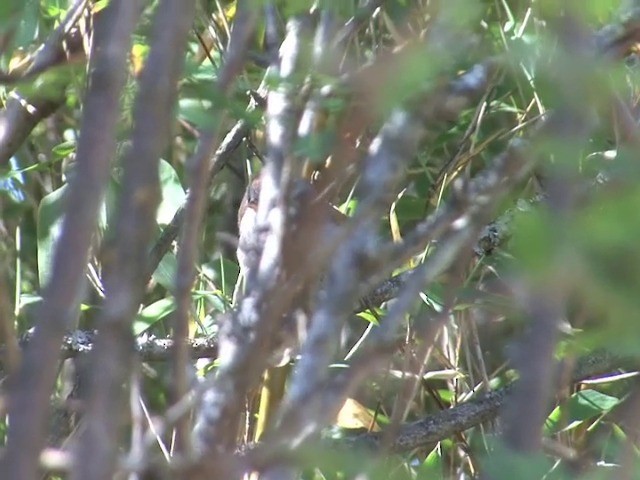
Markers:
point(506, 464)
point(432, 467)
point(225, 273)
point(215, 299)
point(582, 406)
point(64, 149)
point(197, 111)
point(152, 314)
point(369, 317)
point(173, 195)
point(50, 213)
point(166, 271)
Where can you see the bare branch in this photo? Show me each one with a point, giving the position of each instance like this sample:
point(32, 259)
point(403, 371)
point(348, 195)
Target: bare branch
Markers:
point(362, 16)
point(135, 224)
point(315, 405)
point(394, 145)
point(21, 114)
point(80, 342)
point(444, 424)
point(243, 344)
point(199, 167)
point(29, 395)
point(545, 304)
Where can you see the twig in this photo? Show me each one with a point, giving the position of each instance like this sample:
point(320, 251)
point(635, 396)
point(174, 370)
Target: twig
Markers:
point(62, 43)
point(29, 397)
point(21, 114)
point(199, 167)
point(310, 401)
point(313, 406)
point(545, 303)
point(223, 155)
point(445, 424)
point(363, 15)
point(80, 342)
point(243, 340)
point(135, 223)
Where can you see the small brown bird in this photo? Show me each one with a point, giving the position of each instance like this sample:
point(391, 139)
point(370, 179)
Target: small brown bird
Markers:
point(247, 234)
point(322, 213)
point(308, 225)
point(313, 222)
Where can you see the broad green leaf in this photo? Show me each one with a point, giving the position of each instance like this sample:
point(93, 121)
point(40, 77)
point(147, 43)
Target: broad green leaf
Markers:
point(64, 149)
point(151, 314)
point(199, 112)
point(215, 299)
point(165, 274)
point(50, 213)
point(173, 195)
point(21, 18)
point(225, 274)
point(582, 406)
point(432, 467)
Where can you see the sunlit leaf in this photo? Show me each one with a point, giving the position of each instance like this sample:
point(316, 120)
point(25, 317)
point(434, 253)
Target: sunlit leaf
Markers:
point(50, 215)
point(151, 314)
point(355, 415)
point(582, 406)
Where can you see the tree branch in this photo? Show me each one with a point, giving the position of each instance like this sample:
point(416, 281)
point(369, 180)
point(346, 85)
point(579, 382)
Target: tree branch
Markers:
point(198, 170)
point(125, 254)
point(31, 388)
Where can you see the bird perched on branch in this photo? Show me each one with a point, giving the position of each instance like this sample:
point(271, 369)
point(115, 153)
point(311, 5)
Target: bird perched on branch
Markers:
point(313, 212)
point(310, 221)
point(311, 224)
point(247, 234)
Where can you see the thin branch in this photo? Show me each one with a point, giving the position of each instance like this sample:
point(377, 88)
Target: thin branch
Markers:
point(545, 303)
point(31, 388)
point(222, 156)
point(61, 47)
point(361, 17)
point(447, 423)
point(423, 433)
point(315, 405)
point(394, 145)
point(80, 342)
point(21, 114)
point(126, 267)
point(199, 166)
point(243, 339)
point(419, 434)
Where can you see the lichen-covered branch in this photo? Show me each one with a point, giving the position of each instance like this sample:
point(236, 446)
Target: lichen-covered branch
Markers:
point(199, 167)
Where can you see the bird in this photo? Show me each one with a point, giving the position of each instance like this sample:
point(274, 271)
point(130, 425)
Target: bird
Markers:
point(247, 232)
point(311, 221)
point(249, 238)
